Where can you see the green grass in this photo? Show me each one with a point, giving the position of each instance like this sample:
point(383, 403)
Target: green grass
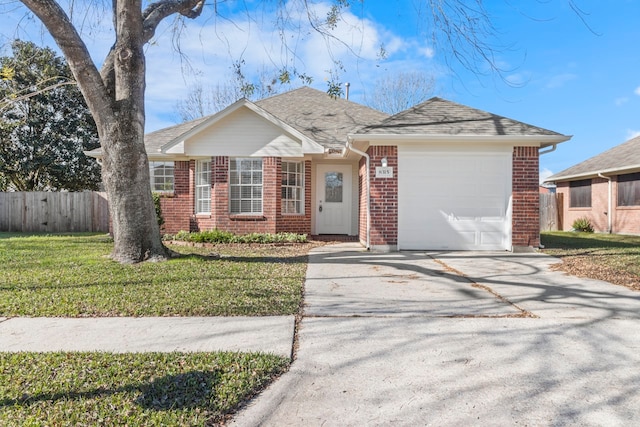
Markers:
point(148, 389)
point(611, 257)
point(73, 276)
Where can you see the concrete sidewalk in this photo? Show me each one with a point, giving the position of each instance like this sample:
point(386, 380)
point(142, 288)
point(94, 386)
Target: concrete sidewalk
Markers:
point(440, 339)
point(147, 334)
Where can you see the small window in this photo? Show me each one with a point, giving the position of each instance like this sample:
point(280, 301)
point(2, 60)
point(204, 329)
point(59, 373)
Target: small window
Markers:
point(629, 189)
point(203, 186)
point(245, 182)
point(161, 174)
point(580, 194)
point(292, 187)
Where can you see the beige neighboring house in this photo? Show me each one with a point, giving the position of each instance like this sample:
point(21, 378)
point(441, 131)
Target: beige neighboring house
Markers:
point(604, 189)
point(439, 175)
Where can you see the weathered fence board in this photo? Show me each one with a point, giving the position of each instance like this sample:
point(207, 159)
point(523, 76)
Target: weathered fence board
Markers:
point(550, 212)
point(54, 212)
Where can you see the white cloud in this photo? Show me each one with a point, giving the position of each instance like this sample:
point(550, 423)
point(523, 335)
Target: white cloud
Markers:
point(560, 80)
point(544, 174)
point(621, 101)
point(637, 91)
point(632, 133)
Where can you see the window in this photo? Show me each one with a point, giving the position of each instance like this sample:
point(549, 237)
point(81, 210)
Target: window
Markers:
point(161, 174)
point(629, 189)
point(203, 186)
point(580, 194)
point(292, 187)
point(245, 185)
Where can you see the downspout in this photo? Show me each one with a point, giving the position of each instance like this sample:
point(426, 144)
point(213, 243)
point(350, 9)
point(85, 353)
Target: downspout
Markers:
point(610, 204)
point(368, 188)
point(553, 148)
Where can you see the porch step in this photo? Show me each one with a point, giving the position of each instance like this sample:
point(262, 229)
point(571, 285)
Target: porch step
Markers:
point(335, 238)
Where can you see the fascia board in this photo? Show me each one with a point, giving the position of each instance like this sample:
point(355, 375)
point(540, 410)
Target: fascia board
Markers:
point(521, 140)
point(593, 174)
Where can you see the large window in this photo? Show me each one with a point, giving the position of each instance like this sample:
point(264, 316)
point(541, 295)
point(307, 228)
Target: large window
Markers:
point(203, 186)
point(292, 187)
point(245, 182)
point(580, 194)
point(161, 174)
point(629, 189)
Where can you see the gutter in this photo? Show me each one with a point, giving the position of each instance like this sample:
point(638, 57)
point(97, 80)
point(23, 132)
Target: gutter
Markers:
point(350, 147)
point(553, 148)
point(609, 221)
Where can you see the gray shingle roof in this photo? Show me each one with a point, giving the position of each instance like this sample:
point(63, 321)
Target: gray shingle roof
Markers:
point(623, 157)
point(318, 116)
point(438, 116)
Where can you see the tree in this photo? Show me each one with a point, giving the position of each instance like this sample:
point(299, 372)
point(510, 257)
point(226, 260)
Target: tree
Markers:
point(44, 125)
point(115, 93)
point(397, 92)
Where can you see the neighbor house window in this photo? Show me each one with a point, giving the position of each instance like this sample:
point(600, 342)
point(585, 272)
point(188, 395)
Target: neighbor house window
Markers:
point(292, 187)
point(580, 194)
point(203, 186)
point(161, 174)
point(629, 189)
point(245, 185)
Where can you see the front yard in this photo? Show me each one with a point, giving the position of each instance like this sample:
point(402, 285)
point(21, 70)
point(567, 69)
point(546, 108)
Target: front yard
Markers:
point(610, 257)
point(72, 276)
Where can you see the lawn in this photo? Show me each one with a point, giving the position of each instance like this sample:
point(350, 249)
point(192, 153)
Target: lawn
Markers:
point(149, 389)
point(72, 276)
point(610, 257)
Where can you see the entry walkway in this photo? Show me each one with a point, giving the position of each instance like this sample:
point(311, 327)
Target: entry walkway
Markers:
point(452, 339)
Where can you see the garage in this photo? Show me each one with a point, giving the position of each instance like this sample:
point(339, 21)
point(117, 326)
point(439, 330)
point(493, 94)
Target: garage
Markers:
point(454, 197)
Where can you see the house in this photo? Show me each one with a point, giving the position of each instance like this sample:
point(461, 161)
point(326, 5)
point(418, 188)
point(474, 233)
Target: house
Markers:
point(605, 189)
point(437, 176)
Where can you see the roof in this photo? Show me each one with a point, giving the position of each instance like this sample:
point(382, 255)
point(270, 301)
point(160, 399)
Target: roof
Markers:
point(621, 158)
point(320, 117)
point(440, 117)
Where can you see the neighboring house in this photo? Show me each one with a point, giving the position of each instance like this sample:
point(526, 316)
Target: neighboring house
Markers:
point(604, 189)
point(437, 176)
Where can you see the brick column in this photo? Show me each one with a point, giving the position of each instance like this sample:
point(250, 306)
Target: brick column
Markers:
point(384, 198)
point(525, 219)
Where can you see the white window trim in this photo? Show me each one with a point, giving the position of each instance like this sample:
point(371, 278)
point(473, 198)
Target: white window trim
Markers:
point(300, 187)
point(152, 169)
point(203, 186)
point(232, 184)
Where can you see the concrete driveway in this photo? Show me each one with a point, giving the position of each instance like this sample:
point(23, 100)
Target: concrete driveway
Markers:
point(456, 338)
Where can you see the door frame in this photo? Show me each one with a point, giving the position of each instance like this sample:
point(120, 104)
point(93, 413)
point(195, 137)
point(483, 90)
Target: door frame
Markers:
point(347, 194)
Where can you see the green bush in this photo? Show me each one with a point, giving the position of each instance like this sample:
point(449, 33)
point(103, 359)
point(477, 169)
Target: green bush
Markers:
point(219, 236)
point(158, 205)
point(583, 224)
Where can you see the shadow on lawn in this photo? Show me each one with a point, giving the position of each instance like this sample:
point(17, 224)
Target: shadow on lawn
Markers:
point(196, 389)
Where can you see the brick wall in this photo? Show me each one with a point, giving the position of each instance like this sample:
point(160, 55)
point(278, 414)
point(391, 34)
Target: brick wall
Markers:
point(526, 199)
point(625, 220)
point(384, 198)
point(178, 208)
point(362, 200)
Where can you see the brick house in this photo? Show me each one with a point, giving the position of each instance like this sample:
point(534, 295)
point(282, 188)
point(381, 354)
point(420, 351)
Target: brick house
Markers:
point(437, 176)
point(605, 189)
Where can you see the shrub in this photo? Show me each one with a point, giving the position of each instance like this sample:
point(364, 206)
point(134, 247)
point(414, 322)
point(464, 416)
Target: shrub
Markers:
point(219, 236)
point(158, 206)
point(583, 224)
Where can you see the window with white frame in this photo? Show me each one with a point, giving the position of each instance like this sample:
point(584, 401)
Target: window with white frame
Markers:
point(245, 186)
point(161, 174)
point(292, 188)
point(203, 186)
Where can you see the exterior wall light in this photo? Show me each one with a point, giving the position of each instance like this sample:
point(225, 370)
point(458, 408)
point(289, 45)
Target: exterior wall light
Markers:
point(384, 162)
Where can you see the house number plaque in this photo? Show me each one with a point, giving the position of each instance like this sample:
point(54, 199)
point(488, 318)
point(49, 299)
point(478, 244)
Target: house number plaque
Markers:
point(384, 172)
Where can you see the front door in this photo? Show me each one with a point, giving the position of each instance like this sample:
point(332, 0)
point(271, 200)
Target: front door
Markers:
point(333, 199)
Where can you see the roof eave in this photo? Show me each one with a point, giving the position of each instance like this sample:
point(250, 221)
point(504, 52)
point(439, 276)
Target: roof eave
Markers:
point(536, 140)
point(593, 173)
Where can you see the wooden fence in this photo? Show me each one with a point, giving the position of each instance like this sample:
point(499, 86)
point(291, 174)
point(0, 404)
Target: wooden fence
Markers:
point(54, 212)
point(550, 212)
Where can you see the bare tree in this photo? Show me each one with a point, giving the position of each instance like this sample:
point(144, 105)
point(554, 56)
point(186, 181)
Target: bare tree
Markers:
point(115, 93)
point(396, 92)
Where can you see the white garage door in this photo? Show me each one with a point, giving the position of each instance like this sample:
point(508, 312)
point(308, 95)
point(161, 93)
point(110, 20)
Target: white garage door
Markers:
point(453, 199)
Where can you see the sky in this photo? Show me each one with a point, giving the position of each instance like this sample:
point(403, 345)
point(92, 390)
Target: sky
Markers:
point(570, 66)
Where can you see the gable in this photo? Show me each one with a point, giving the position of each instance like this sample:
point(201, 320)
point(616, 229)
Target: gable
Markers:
point(243, 133)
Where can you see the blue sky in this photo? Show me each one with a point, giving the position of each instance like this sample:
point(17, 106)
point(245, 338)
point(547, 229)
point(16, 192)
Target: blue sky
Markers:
point(572, 73)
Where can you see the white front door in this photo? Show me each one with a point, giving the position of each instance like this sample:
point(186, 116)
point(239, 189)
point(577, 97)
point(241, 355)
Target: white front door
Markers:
point(333, 199)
